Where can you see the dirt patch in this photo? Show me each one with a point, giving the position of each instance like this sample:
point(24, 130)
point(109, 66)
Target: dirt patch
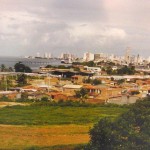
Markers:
point(4, 104)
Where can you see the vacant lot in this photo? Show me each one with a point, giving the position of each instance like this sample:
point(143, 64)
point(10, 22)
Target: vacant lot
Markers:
point(56, 115)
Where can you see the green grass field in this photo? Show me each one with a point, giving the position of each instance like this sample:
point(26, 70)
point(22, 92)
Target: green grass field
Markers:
point(56, 115)
point(36, 127)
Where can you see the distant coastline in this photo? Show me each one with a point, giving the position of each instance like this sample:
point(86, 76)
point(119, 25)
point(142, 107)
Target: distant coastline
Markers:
point(34, 63)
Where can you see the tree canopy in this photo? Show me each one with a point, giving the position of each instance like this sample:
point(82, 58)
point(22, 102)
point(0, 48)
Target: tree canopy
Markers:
point(130, 131)
point(82, 94)
point(20, 67)
point(22, 80)
point(92, 81)
point(129, 70)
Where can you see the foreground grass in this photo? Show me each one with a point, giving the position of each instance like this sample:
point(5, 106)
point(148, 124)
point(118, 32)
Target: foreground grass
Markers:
point(49, 127)
point(54, 137)
point(58, 147)
point(56, 115)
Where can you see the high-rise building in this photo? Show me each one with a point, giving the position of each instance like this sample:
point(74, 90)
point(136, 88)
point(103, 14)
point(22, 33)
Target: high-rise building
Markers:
point(38, 54)
point(45, 55)
point(127, 55)
point(67, 56)
point(49, 55)
point(88, 56)
point(97, 57)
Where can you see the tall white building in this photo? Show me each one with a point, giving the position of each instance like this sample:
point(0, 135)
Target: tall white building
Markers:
point(45, 55)
point(127, 55)
point(38, 54)
point(49, 55)
point(88, 56)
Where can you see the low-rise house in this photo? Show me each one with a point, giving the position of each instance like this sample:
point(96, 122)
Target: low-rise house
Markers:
point(56, 96)
point(145, 90)
point(77, 79)
point(141, 82)
point(96, 70)
point(111, 92)
point(29, 89)
point(71, 88)
point(96, 91)
point(10, 94)
point(51, 80)
point(45, 70)
point(123, 99)
point(37, 82)
point(37, 95)
point(102, 93)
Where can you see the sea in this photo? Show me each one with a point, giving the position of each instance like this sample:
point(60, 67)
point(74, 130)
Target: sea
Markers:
point(33, 63)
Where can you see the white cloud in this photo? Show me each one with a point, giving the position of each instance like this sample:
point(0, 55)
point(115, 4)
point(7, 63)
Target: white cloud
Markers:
point(110, 25)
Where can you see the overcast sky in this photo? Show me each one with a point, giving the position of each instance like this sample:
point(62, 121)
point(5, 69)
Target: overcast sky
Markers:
point(74, 26)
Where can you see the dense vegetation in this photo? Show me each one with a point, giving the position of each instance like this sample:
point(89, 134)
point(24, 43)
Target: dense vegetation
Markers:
point(89, 63)
point(20, 67)
point(130, 131)
point(22, 79)
point(3, 68)
point(125, 70)
point(47, 114)
point(92, 81)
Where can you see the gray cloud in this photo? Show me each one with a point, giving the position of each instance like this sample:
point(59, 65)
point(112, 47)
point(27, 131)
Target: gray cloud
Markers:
point(31, 26)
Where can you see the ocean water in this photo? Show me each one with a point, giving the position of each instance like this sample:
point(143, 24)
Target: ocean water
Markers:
point(33, 63)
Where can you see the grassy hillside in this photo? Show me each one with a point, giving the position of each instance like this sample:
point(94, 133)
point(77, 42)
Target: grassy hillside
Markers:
point(56, 115)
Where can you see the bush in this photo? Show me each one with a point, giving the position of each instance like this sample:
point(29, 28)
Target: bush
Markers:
point(44, 99)
point(134, 92)
point(5, 99)
point(94, 82)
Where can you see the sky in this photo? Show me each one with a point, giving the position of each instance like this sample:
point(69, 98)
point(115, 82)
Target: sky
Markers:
point(74, 26)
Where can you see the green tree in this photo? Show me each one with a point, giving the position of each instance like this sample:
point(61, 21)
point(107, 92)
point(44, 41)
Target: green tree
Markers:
point(89, 64)
point(24, 95)
point(126, 70)
point(22, 80)
point(49, 66)
point(77, 69)
point(44, 99)
point(82, 94)
point(96, 82)
point(3, 68)
point(109, 70)
point(120, 81)
point(20, 67)
point(88, 80)
point(130, 131)
point(6, 83)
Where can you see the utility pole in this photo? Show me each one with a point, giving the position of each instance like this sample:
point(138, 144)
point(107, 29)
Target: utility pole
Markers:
point(5, 80)
point(48, 81)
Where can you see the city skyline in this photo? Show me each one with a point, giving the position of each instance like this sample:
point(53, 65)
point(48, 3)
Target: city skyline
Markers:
point(107, 26)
